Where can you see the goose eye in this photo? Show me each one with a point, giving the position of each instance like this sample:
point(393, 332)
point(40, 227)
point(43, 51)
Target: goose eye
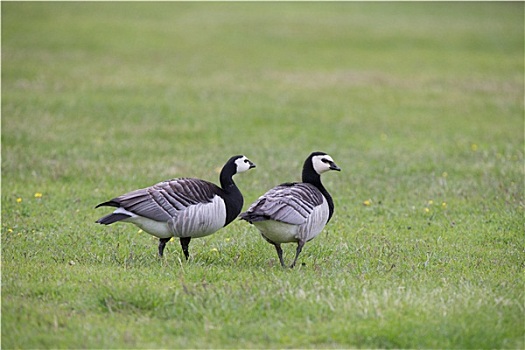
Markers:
point(245, 160)
point(324, 160)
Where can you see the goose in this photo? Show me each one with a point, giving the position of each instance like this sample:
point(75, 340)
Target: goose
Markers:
point(184, 207)
point(295, 211)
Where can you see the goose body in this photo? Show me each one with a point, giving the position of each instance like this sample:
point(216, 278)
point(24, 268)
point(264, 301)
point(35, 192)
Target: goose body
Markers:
point(295, 212)
point(184, 208)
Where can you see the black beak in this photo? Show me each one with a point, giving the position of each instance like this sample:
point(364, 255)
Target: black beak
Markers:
point(252, 165)
point(334, 166)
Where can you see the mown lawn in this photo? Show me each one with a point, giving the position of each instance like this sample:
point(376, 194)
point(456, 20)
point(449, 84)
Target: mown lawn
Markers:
point(420, 104)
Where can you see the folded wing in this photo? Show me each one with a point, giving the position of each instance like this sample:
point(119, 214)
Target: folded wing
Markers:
point(163, 201)
point(291, 203)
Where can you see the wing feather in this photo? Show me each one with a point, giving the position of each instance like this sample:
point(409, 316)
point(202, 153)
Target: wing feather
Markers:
point(291, 203)
point(165, 200)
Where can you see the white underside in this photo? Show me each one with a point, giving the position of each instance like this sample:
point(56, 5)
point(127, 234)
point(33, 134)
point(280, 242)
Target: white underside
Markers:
point(155, 228)
point(195, 221)
point(280, 232)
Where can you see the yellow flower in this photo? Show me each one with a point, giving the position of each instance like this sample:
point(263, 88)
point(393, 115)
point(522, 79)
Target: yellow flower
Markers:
point(10, 230)
point(427, 210)
point(367, 203)
point(445, 174)
point(19, 200)
point(444, 205)
point(38, 195)
point(474, 147)
point(430, 202)
point(214, 250)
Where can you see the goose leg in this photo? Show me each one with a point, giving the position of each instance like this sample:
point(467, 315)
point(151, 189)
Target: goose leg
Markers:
point(279, 253)
point(300, 246)
point(162, 245)
point(184, 242)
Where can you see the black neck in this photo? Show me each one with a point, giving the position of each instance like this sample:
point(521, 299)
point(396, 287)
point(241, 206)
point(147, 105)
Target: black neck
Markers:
point(232, 196)
point(312, 177)
point(226, 177)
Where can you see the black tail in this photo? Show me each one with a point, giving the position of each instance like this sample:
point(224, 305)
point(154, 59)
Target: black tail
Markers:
point(111, 203)
point(252, 217)
point(111, 218)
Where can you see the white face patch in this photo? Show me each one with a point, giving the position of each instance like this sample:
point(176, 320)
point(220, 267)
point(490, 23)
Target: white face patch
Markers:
point(322, 163)
point(243, 164)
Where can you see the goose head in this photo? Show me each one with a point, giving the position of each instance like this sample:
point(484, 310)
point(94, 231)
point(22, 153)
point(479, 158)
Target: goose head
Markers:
point(242, 164)
point(322, 162)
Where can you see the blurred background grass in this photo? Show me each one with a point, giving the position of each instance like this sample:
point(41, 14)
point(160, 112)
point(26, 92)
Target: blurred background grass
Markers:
point(421, 104)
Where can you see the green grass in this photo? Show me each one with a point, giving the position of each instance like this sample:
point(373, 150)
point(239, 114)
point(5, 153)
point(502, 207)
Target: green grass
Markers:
point(420, 104)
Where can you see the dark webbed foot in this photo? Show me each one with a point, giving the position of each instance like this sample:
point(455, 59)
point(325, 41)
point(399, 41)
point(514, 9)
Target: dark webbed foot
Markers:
point(162, 245)
point(184, 242)
point(300, 246)
point(279, 253)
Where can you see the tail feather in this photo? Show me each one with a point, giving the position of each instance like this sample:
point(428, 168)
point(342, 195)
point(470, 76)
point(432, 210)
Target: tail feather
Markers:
point(252, 217)
point(111, 218)
point(111, 203)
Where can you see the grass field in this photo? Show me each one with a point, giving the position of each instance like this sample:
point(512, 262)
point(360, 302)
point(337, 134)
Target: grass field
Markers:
point(420, 104)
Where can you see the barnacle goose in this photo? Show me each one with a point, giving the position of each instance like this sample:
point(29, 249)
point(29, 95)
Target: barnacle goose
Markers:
point(295, 212)
point(185, 207)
